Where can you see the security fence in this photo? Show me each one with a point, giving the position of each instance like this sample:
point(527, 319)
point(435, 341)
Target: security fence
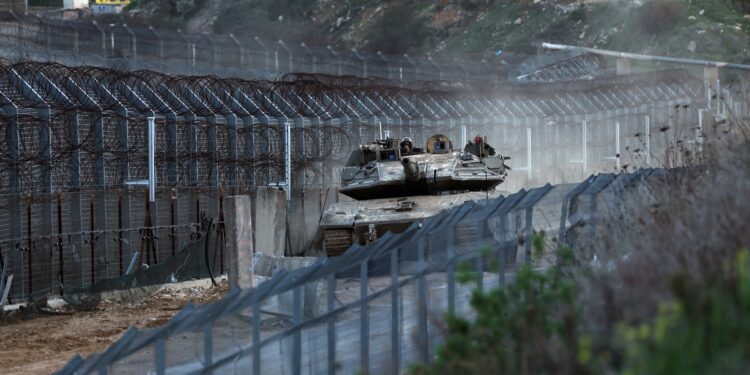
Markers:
point(74, 149)
point(175, 51)
point(375, 309)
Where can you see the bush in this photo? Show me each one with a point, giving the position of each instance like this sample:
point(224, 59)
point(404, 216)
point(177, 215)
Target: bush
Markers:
point(703, 331)
point(656, 16)
point(529, 327)
point(663, 288)
point(398, 30)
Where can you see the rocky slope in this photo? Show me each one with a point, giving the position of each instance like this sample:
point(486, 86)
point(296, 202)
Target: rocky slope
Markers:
point(712, 29)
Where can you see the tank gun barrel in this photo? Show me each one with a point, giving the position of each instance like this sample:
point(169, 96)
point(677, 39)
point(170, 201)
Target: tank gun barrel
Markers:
point(411, 170)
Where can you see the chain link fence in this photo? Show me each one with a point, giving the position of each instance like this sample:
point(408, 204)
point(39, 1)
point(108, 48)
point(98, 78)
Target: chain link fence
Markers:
point(75, 137)
point(375, 309)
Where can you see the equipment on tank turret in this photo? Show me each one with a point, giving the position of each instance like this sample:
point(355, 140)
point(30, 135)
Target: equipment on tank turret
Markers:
point(395, 185)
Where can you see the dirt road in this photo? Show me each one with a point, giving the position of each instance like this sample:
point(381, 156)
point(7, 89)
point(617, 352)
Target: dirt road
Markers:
point(44, 344)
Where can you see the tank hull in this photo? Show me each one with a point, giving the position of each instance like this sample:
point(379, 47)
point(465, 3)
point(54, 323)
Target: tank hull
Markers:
point(346, 223)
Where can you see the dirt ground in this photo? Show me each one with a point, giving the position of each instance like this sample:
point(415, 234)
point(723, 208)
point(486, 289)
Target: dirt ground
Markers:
point(47, 342)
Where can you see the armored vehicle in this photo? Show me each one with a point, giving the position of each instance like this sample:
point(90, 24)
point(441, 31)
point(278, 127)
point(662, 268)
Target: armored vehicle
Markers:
point(394, 185)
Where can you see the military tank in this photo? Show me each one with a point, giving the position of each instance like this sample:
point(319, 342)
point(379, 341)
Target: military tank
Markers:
point(394, 186)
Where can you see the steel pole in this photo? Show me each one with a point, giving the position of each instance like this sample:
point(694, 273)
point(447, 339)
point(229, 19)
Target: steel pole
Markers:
point(151, 160)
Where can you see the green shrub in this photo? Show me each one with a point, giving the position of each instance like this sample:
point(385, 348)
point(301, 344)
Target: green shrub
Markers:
point(705, 330)
point(528, 327)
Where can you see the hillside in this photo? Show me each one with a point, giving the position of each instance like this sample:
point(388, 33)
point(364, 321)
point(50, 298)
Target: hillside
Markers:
point(711, 29)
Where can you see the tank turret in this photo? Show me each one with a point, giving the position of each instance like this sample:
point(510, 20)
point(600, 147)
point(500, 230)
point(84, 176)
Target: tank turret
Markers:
point(394, 185)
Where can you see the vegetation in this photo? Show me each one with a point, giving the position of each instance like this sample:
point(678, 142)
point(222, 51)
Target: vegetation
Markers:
point(663, 288)
point(713, 29)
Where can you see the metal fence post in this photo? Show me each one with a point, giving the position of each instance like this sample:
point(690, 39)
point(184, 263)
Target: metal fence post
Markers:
point(364, 328)
point(648, 140)
point(395, 333)
point(617, 145)
point(241, 49)
point(423, 342)
point(101, 200)
point(133, 41)
point(208, 344)
point(297, 336)
point(330, 323)
point(160, 356)
point(104, 38)
point(362, 60)
point(265, 52)
point(336, 56)
point(386, 63)
point(286, 48)
point(313, 58)
point(161, 42)
point(450, 274)
point(584, 146)
point(256, 338)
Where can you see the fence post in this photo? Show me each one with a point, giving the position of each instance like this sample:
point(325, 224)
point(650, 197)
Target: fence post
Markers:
point(160, 356)
point(208, 344)
point(528, 154)
point(337, 57)
point(386, 63)
point(313, 57)
point(450, 243)
point(74, 26)
point(104, 38)
point(362, 60)
point(584, 146)
point(436, 66)
point(256, 337)
point(265, 51)
point(290, 66)
point(423, 342)
point(241, 48)
point(648, 139)
point(133, 40)
point(161, 42)
point(101, 200)
point(395, 333)
point(297, 336)
point(364, 327)
point(617, 145)
point(331, 323)
point(414, 66)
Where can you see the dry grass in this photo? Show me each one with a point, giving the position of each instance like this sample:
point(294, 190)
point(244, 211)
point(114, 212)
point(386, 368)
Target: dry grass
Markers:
point(685, 225)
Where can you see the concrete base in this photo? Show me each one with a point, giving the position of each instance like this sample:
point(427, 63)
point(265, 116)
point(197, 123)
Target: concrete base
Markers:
point(239, 225)
point(270, 221)
point(283, 304)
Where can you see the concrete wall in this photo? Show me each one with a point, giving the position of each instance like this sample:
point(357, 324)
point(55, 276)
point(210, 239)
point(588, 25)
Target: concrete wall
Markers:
point(304, 218)
point(270, 221)
point(239, 226)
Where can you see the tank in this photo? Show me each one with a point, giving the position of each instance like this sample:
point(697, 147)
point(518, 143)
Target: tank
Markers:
point(392, 187)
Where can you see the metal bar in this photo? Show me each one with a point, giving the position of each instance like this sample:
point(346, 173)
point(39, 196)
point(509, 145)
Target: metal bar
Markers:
point(297, 336)
point(330, 323)
point(528, 154)
point(423, 342)
point(463, 136)
point(288, 161)
point(617, 145)
point(635, 56)
point(256, 338)
point(208, 344)
point(101, 200)
point(364, 327)
point(584, 146)
point(395, 334)
point(160, 356)
point(151, 160)
point(450, 273)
